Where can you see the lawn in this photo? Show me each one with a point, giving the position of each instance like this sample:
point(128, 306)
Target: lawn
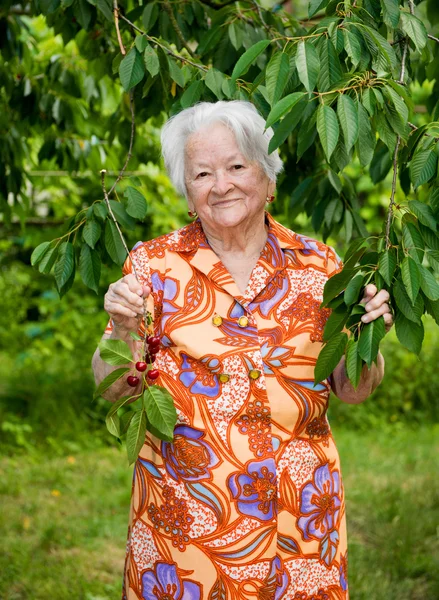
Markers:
point(63, 520)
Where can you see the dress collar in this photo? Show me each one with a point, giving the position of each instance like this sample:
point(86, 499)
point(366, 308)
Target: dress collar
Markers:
point(274, 258)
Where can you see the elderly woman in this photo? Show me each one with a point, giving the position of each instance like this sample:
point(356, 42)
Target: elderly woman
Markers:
point(247, 502)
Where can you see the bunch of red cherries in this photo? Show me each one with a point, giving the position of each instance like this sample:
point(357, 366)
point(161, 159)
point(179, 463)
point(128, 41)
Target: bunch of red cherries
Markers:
point(153, 342)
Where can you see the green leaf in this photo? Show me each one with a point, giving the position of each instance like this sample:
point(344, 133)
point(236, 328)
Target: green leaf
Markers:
point(214, 81)
point(175, 72)
point(287, 125)
point(150, 15)
point(369, 340)
point(353, 289)
point(136, 435)
point(113, 243)
point(108, 382)
point(276, 76)
point(161, 411)
point(423, 167)
point(353, 47)
point(327, 126)
point(430, 238)
point(82, 12)
point(387, 265)
point(113, 424)
point(335, 322)
point(354, 364)
point(366, 137)
point(336, 284)
point(38, 253)
point(105, 7)
point(411, 335)
point(433, 309)
point(329, 357)
point(378, 45)
point(415, 29)
point(403, 302)
point(100, 210)
point(308, 65)
point(316, 5)
point(390, 12)
point(192, 94)
point(119, 403)
point(125, 421)
point(64, 265)
point(90, 267)
point(91, 232)
point(401, 109)
point(410, 277)
point(49, 257)
point(282, 107)
point(348, 116)
point(429, 285)
point(330, 68)
point(424, 213)
point(122, 217)
point(115, 352)
point(412, 241)
point(136, 205)
point(151, 60)
point(131, 69)
point(369, 101)
point(235, 35)
point(247, 59)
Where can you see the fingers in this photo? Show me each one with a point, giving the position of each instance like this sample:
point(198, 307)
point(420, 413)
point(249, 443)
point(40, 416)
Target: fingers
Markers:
point(376, 305)
point(125, 300)
point(369, 292)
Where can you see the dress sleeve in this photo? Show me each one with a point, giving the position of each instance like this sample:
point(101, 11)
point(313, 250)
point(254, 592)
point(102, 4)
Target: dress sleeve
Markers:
point(334, 263)
point(140, 259)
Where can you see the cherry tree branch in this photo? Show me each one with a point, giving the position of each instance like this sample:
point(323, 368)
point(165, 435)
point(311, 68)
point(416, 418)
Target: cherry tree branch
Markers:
point(397, 146)
point(176, 26)
point(116, 23)
point(130, 148)
point(183, 59)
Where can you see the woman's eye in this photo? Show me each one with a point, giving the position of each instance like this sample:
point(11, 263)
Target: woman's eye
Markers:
point(203, 174)
point(238, 167)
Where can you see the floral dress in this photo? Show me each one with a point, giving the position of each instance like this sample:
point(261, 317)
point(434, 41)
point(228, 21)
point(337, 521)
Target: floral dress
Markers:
point(247, 502)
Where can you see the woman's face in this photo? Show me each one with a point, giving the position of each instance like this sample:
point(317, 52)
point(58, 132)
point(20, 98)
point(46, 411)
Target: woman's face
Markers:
point(224, 188)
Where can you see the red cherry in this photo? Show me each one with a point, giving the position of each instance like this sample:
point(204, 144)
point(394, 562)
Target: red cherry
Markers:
point(153, 374)
point(150, 357)
point(154, 341)
point(153, 349)
point(141, 366)
point(132, 380)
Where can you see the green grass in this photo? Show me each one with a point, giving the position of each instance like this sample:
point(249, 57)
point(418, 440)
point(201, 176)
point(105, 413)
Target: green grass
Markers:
point(63, 521)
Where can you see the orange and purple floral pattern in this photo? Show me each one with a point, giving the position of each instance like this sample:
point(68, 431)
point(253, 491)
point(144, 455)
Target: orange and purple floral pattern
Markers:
point(247, 501)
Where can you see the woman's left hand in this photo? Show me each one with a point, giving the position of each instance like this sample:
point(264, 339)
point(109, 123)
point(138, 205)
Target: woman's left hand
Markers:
point(376, 304)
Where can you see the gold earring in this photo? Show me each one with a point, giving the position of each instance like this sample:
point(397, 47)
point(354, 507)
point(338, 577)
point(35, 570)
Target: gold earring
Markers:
point(192, 214)
point(270, 199)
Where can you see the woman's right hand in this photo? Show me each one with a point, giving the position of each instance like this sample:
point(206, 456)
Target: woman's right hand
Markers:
point(124, 303)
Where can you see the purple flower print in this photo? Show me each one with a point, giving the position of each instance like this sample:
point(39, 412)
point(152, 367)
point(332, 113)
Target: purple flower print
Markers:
point(276, 581)
point(320, 504)
point(188, 458)
point(164, 583)
point(255, 490)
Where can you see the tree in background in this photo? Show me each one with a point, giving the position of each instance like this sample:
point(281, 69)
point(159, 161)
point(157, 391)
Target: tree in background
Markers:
point(351, 93)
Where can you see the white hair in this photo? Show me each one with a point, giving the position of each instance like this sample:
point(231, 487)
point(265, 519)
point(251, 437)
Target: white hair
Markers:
point(239, 116)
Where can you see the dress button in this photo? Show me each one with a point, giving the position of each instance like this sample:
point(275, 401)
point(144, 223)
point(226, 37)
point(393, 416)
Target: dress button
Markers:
point(217, 320)
point(224, 378)
point(243, 321)
point(254, 374)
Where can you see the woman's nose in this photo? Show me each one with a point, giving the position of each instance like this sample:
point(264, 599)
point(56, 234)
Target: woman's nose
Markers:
point(222, 183)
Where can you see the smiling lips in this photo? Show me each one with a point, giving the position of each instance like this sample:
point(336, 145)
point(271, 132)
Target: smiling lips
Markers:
point(225, 202)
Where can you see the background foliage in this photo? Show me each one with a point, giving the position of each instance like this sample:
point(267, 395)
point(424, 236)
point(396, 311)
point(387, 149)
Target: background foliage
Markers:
point(65, 115)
